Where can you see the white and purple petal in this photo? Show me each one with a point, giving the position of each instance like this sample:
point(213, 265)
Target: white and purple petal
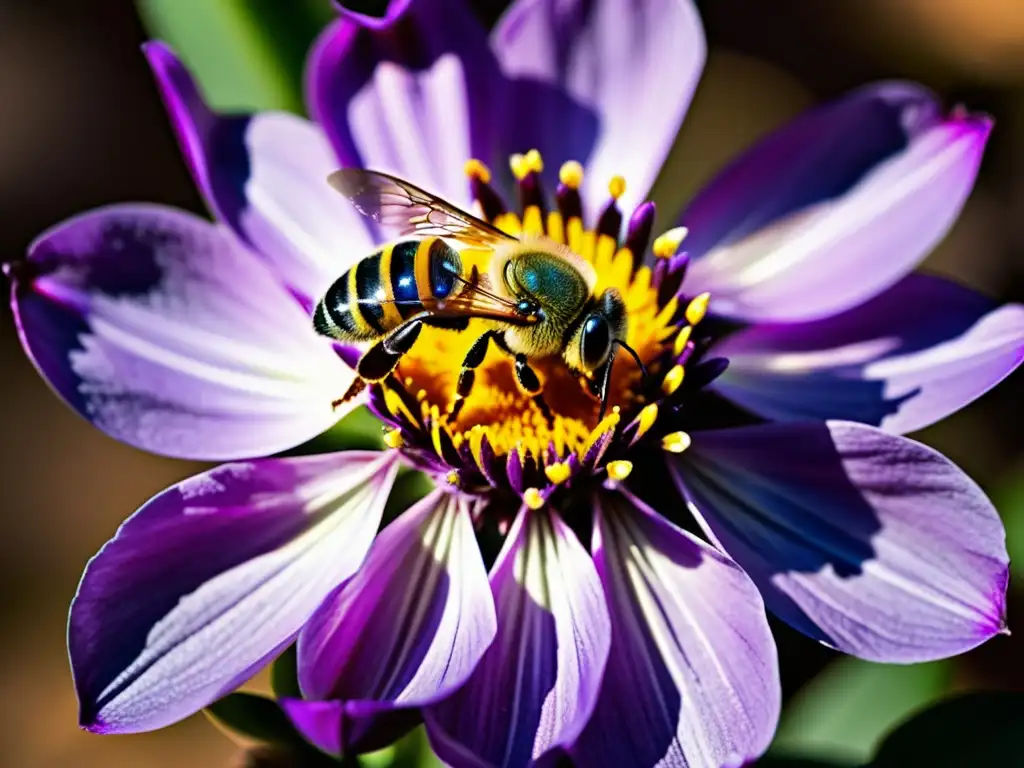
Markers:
point(404, 632)
point(168, 334)
point(909, 357)
point(265, 176)
point(416, 93)
point(536, 686)
point(870, 542)
point(606, 83)
point(692, 677)
point(213, 577)
point(833, 208)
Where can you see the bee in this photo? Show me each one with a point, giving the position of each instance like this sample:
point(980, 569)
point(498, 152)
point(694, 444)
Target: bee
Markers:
point(537, 298)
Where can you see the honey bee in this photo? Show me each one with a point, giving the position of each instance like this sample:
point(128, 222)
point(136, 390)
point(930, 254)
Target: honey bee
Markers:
point(537, 297)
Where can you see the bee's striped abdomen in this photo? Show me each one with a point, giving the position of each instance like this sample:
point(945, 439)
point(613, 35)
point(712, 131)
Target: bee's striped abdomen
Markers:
point(386, 288)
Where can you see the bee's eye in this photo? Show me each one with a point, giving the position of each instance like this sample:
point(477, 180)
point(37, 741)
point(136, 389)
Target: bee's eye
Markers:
point(595, 342)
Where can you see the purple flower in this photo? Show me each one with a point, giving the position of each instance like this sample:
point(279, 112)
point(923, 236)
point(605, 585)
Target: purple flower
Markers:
point(602, 630)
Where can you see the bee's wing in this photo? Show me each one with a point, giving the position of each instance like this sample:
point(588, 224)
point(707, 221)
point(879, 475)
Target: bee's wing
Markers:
point(409, 210)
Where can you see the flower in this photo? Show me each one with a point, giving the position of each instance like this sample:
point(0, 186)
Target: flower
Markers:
point(603, 629)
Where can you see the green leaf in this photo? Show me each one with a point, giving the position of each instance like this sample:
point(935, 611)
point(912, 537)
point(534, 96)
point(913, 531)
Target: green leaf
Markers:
point(978, 729)
point(284, 675)
point(844, 712)
point(247, 54)
point(255, 717)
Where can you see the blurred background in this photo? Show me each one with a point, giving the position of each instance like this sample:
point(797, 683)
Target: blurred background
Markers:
point(81, 126)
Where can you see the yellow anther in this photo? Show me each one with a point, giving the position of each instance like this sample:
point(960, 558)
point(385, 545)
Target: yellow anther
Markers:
point(533, 499)
point(646, 419)
point(452, 477)
point(534, 161)
point(617, 187)
point(557, 473)
point(474, 169)
point(697, 308)
point(682, 339)
point(571, 174)
point(619, 470)
point(673, 379)
point(393, 439)
point(519, 165)
point(667, 245)
point(676, 442)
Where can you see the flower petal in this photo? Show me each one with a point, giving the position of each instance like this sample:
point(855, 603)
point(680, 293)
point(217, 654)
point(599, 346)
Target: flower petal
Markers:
point(167, 334)
point(909, 357)
point(404, 632)
point(536, 686)
point(412, 94)
point(597, 54)
point(833, 208)
point(265, 176)
point(212, 577)
point(867, 541)
point(692, 677)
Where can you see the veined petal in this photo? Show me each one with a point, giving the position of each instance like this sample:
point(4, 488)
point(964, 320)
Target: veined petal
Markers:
point(833, 208)
point(869, 542)
point(404, 632)
point(416, 93)
point(625, 70)
point(692, 677)
point(265, 176)
point(212, 577)
point(536, 686)
point(906, 359)
point(167, 334)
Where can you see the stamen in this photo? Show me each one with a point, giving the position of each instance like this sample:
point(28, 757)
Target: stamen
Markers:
point(638, 234)
point(526, 168)
point(452, 477)
point(557, 473)
point(571, 174)
point(673, 379)
point(617, 187)
point(667, 245)
point(533, 498)
point(393, 439)
point(645, 420)
point(534, 161)
point(490, 202)
point(676, 442)
point(568, 195)
point(477, 170)
point(681, 340)
point(520, 168)
point(619, 470)
point(697, 308)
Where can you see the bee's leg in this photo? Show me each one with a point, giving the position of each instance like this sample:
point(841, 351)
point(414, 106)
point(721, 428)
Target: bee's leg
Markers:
point(383, 357)
point(474, 357)
point(528, 380)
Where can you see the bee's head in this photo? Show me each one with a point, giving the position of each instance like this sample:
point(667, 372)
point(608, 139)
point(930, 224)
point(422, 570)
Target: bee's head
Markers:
point(604, 325)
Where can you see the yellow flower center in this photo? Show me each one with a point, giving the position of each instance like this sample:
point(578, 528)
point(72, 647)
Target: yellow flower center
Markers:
point(497, 408)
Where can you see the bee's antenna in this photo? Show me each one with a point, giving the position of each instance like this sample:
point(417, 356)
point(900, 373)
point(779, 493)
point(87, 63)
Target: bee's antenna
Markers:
point(634, 355)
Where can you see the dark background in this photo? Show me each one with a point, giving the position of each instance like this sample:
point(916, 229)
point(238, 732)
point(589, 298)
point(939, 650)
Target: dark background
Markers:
point(81, 126)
